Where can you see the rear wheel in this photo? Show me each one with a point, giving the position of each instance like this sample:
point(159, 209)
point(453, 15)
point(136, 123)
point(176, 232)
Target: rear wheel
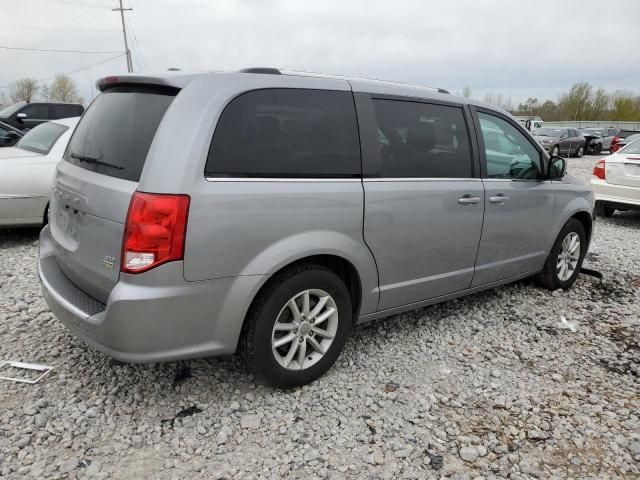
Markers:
point(598, 149)
point(580, 151)
point(603, 211)
point(565, 259)
point(297, 327)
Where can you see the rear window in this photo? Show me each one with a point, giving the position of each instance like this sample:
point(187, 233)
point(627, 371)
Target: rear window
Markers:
point(286, 133)
point(114, 135)
point(41, 138)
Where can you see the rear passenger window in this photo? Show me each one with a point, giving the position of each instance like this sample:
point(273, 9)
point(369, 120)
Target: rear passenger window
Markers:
point(421, 140)
point(286, 133)
point(36, 112)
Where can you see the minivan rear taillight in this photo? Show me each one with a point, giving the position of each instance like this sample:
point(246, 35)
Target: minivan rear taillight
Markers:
point(154, 231)
point(599, 170)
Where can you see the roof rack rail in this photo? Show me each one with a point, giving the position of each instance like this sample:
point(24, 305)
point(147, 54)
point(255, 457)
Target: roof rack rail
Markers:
point(442, 90)
point(264, 70)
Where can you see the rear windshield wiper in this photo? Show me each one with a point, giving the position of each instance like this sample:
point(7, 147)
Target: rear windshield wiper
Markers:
point(85, 158)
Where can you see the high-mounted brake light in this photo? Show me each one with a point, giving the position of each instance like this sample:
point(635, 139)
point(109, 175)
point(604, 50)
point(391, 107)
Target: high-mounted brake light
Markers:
point(110, 79)
point(154, 231)
point(599, 170)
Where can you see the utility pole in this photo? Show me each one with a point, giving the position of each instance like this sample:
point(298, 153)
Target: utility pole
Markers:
point(124, 33)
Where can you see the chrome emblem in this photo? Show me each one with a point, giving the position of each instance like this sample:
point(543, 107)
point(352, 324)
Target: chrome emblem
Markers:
point(108, 261)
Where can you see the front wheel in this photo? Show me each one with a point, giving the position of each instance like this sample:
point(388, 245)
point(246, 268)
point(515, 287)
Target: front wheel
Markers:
point(297, 327)
point(565, 259)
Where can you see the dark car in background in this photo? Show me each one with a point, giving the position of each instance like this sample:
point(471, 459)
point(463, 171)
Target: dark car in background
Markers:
point(9, 135)
point(599, 139)
point(561, 141)
point(26, 115)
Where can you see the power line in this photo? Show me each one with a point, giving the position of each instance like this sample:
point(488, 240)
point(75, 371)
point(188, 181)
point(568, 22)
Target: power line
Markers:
point(51, 50)
point(75, 71)
point(78, 3)
point(141, 61)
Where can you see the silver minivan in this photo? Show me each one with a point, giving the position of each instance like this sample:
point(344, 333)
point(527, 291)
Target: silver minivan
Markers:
point(266, 212)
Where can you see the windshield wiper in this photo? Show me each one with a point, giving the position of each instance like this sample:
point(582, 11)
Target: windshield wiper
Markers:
point(95, 161)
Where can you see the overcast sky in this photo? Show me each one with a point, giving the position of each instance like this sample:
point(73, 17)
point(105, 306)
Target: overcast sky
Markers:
point(518, 48)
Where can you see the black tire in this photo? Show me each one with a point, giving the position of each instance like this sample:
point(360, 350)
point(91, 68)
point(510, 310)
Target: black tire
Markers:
point(256, 338)
point(548, 278)
point(603, 211)
point(45, 216)
point(580, 151)
point(598, 149)
point(555, 151)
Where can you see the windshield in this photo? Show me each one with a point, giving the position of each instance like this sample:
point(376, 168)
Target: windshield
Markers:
point(42, 138)
point(591, 131)
point(632, 148)
point(116, 131)
point(548, 132)
point(10, 110)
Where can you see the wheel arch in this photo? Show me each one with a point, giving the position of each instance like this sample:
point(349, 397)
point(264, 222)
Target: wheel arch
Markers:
point(587, 222)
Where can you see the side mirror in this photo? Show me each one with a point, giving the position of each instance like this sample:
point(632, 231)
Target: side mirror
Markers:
point(21, 116)
point(557, 167)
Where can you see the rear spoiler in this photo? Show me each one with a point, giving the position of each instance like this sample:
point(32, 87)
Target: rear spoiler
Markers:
point(174, 80)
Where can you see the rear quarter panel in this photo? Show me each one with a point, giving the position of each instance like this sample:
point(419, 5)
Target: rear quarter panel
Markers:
point(240, 227)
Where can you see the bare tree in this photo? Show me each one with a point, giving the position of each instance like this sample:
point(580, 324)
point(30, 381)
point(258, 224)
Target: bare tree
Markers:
point(467, 93)
point(499, 101)
point(600, 104)
point(63, 89)
point(3, 98)
point(23, 90)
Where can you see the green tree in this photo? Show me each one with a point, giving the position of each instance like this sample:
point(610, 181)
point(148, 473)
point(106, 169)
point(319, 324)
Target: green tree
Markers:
point(625, 107)
point(578, 103)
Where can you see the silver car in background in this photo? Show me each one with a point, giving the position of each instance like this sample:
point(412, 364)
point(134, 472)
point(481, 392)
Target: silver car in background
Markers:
point(27, 170)
point(266, 212)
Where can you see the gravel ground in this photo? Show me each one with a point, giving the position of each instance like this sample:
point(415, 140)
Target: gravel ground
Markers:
point(488, 386)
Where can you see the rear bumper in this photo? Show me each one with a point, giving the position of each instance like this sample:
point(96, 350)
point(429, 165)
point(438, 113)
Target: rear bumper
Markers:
point(613, 195)
point(153, 317)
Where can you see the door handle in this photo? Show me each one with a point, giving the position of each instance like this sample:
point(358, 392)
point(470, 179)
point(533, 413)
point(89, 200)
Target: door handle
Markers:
point(499, 199)
point(468, 200)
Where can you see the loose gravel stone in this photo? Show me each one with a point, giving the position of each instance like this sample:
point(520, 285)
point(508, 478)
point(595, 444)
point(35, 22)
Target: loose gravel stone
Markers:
point(486, 386)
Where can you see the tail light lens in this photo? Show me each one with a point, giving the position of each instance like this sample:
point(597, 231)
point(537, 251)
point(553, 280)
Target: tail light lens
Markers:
point(154, 232)
point(599, 170)
point(615, 144)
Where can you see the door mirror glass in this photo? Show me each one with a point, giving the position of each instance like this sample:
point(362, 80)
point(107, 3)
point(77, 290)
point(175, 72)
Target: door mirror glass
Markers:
point(557, 168)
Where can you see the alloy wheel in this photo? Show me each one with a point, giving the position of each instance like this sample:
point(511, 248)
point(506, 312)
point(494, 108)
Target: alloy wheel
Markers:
point(568, 256)
point(304, 329)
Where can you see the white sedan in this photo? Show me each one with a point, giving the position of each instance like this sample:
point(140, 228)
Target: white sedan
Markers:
point(616, 181)
point(27, 170)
